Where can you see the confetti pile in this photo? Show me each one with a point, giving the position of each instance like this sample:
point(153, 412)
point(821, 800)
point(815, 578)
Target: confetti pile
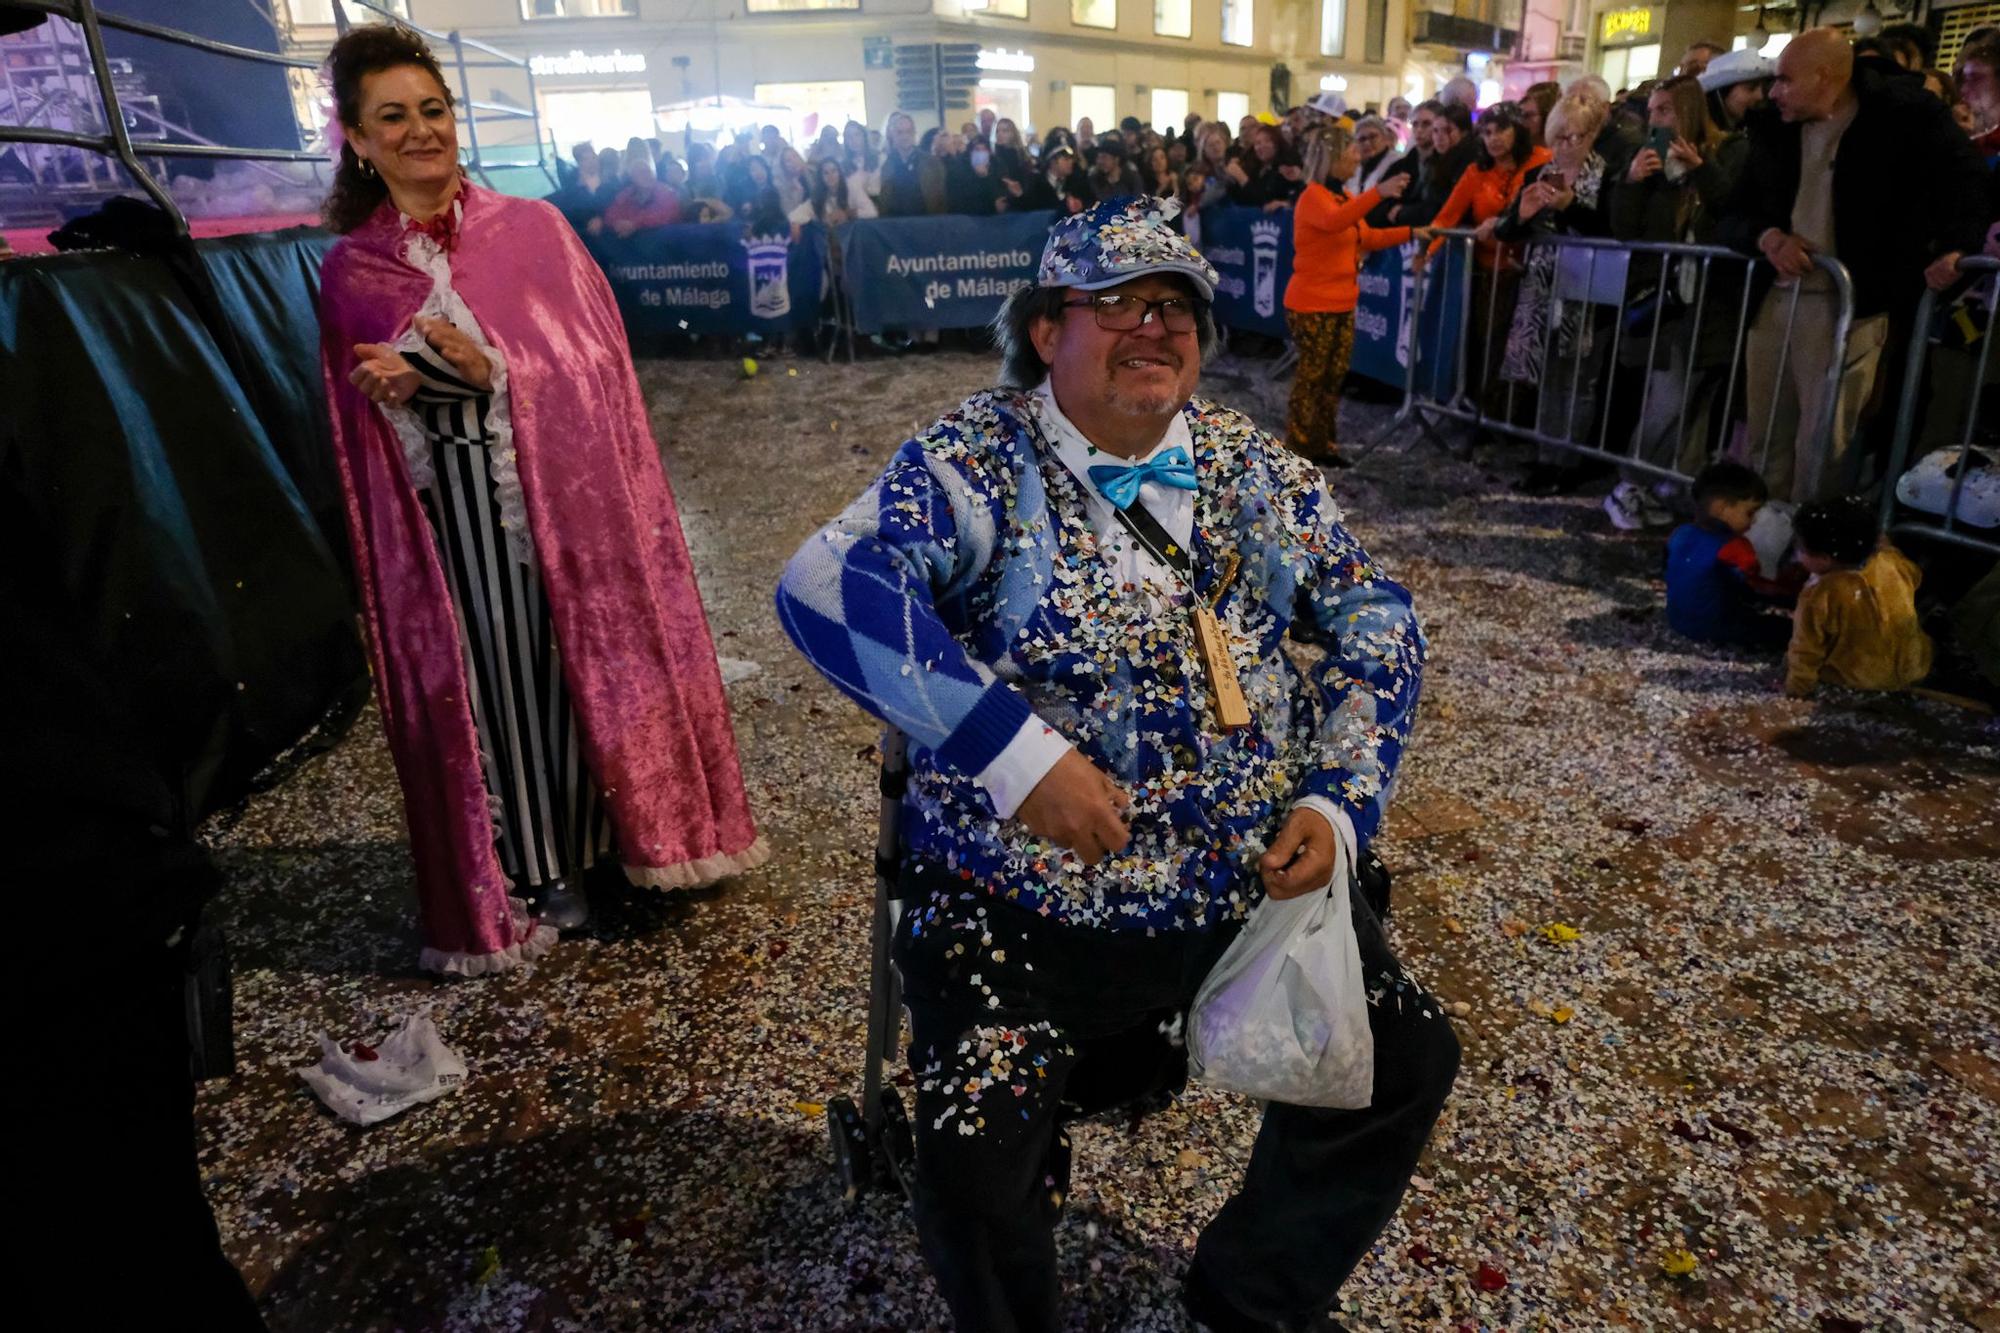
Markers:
point(1723, 964)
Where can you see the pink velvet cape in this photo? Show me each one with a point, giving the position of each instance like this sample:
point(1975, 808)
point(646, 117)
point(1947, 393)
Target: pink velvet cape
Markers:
point(635, 644)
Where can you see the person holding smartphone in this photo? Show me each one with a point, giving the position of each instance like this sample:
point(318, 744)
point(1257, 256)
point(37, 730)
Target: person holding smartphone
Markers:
point(1671, 192)
point(1568, 195)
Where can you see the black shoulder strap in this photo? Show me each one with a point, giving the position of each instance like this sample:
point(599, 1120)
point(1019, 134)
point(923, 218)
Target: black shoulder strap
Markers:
point(1139, 521)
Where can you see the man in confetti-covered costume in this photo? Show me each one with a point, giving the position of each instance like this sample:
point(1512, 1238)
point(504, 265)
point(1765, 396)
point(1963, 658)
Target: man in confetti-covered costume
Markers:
point(1026, 591)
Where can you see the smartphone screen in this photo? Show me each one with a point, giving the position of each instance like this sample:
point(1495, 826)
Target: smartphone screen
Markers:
point(1660, 141)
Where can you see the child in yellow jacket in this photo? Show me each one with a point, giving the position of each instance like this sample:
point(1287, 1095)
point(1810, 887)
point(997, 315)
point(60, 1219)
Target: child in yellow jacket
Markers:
point(1856, 622)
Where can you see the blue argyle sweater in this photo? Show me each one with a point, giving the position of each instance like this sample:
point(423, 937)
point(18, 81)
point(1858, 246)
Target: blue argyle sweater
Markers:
point(963, 596)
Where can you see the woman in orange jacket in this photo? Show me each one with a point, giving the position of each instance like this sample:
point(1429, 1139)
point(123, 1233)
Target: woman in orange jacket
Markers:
point(1328, 240)
point(1507, 153)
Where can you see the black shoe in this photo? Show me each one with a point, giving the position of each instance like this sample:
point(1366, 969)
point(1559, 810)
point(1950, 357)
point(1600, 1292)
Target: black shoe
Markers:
point(1212, 1312)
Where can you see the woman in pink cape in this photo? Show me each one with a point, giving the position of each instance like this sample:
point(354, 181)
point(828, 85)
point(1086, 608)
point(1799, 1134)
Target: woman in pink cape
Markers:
point(544, 668)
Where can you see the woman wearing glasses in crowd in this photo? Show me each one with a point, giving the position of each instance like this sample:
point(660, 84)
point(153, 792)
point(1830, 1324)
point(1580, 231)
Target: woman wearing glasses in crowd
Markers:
point(1329, 236)
point(1672, 191)
point(1377, 146)
point(1506, 156)
point(1556, 348)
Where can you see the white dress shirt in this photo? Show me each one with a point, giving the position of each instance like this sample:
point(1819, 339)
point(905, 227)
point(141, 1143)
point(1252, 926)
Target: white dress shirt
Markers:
point(1037, 747)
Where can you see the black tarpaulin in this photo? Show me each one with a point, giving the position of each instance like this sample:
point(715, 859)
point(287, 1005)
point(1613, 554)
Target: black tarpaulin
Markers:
point(168, 512)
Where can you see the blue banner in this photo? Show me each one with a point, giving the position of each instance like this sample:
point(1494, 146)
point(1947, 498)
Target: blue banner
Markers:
point(714, 278)
point(938, 272)
point(1252, 253)
point(1438, 349)
point(1381, 318)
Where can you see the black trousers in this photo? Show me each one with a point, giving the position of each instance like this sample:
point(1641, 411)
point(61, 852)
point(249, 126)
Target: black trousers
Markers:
point(1020, 1025)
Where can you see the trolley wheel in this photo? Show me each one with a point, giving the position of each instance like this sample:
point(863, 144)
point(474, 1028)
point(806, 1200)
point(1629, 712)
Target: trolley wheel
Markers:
point(897, 1146)
point(853, 1158)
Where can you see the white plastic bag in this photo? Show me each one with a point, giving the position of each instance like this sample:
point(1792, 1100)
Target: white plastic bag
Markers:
point(1283, 1017)
point(413, 1066)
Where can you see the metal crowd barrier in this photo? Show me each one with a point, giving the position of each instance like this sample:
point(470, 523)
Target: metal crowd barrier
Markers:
point(1949, 526)
point(1595, 289)
point(117, 141)
point(474, 111)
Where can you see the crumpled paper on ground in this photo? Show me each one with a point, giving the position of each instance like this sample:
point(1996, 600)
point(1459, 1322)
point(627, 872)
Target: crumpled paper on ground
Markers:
point(413, 1066)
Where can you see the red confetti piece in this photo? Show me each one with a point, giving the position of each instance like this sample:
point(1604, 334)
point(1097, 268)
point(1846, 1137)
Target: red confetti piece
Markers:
point(1490, 1278)
point(363, 1051)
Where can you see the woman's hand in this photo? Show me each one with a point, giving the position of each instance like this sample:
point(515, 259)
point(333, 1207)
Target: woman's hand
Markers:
point(1484, 231)
point(1276, 204)
point(1393, 186)
point(1542, 195)
point(1013, 186)
point(1236, 173)
point(1943, 271)
point(1645, 163)
point(1292, 173)
point(383, 375)
point(459, 351)
point(1685, 153)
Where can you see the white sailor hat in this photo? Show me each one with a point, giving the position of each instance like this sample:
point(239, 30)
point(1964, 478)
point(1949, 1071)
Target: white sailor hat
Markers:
point(1734, 67)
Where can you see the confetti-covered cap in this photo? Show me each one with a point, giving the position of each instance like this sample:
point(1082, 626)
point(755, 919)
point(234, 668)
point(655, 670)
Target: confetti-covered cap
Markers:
point(1119, 240)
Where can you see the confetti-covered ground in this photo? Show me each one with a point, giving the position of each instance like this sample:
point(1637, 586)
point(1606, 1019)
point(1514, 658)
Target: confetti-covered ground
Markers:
point(1724, 966)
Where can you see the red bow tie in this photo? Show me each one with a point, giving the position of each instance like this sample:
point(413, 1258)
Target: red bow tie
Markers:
point(442, 229)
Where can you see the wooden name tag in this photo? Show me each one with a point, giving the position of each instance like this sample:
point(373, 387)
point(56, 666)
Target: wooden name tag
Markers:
point(1225, 691)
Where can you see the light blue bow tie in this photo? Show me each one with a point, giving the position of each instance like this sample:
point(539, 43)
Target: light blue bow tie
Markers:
point(1120, 483)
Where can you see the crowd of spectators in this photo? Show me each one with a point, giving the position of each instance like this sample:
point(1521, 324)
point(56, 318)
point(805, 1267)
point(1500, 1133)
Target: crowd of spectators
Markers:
point(1863, 150)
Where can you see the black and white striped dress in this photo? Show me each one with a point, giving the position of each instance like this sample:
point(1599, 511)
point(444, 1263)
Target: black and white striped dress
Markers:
point(548, 819)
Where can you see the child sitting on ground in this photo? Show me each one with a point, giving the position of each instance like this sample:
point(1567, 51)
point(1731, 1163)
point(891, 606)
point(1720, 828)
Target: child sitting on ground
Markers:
point(1716, 591)
point(1856, 622)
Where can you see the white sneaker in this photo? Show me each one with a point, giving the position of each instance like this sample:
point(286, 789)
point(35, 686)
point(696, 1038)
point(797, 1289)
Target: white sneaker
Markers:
point(1626, 506)
point(1654, 510)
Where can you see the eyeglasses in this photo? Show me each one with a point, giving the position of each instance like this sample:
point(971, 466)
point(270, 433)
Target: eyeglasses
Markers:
point(1122, 314)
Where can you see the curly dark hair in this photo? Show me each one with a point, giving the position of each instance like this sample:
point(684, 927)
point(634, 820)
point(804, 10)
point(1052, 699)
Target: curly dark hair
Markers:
point(1507, 115)
point(1844, 531)
point(363, 51)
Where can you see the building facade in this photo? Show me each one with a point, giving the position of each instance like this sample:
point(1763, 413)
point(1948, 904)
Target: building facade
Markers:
point(608, 69)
